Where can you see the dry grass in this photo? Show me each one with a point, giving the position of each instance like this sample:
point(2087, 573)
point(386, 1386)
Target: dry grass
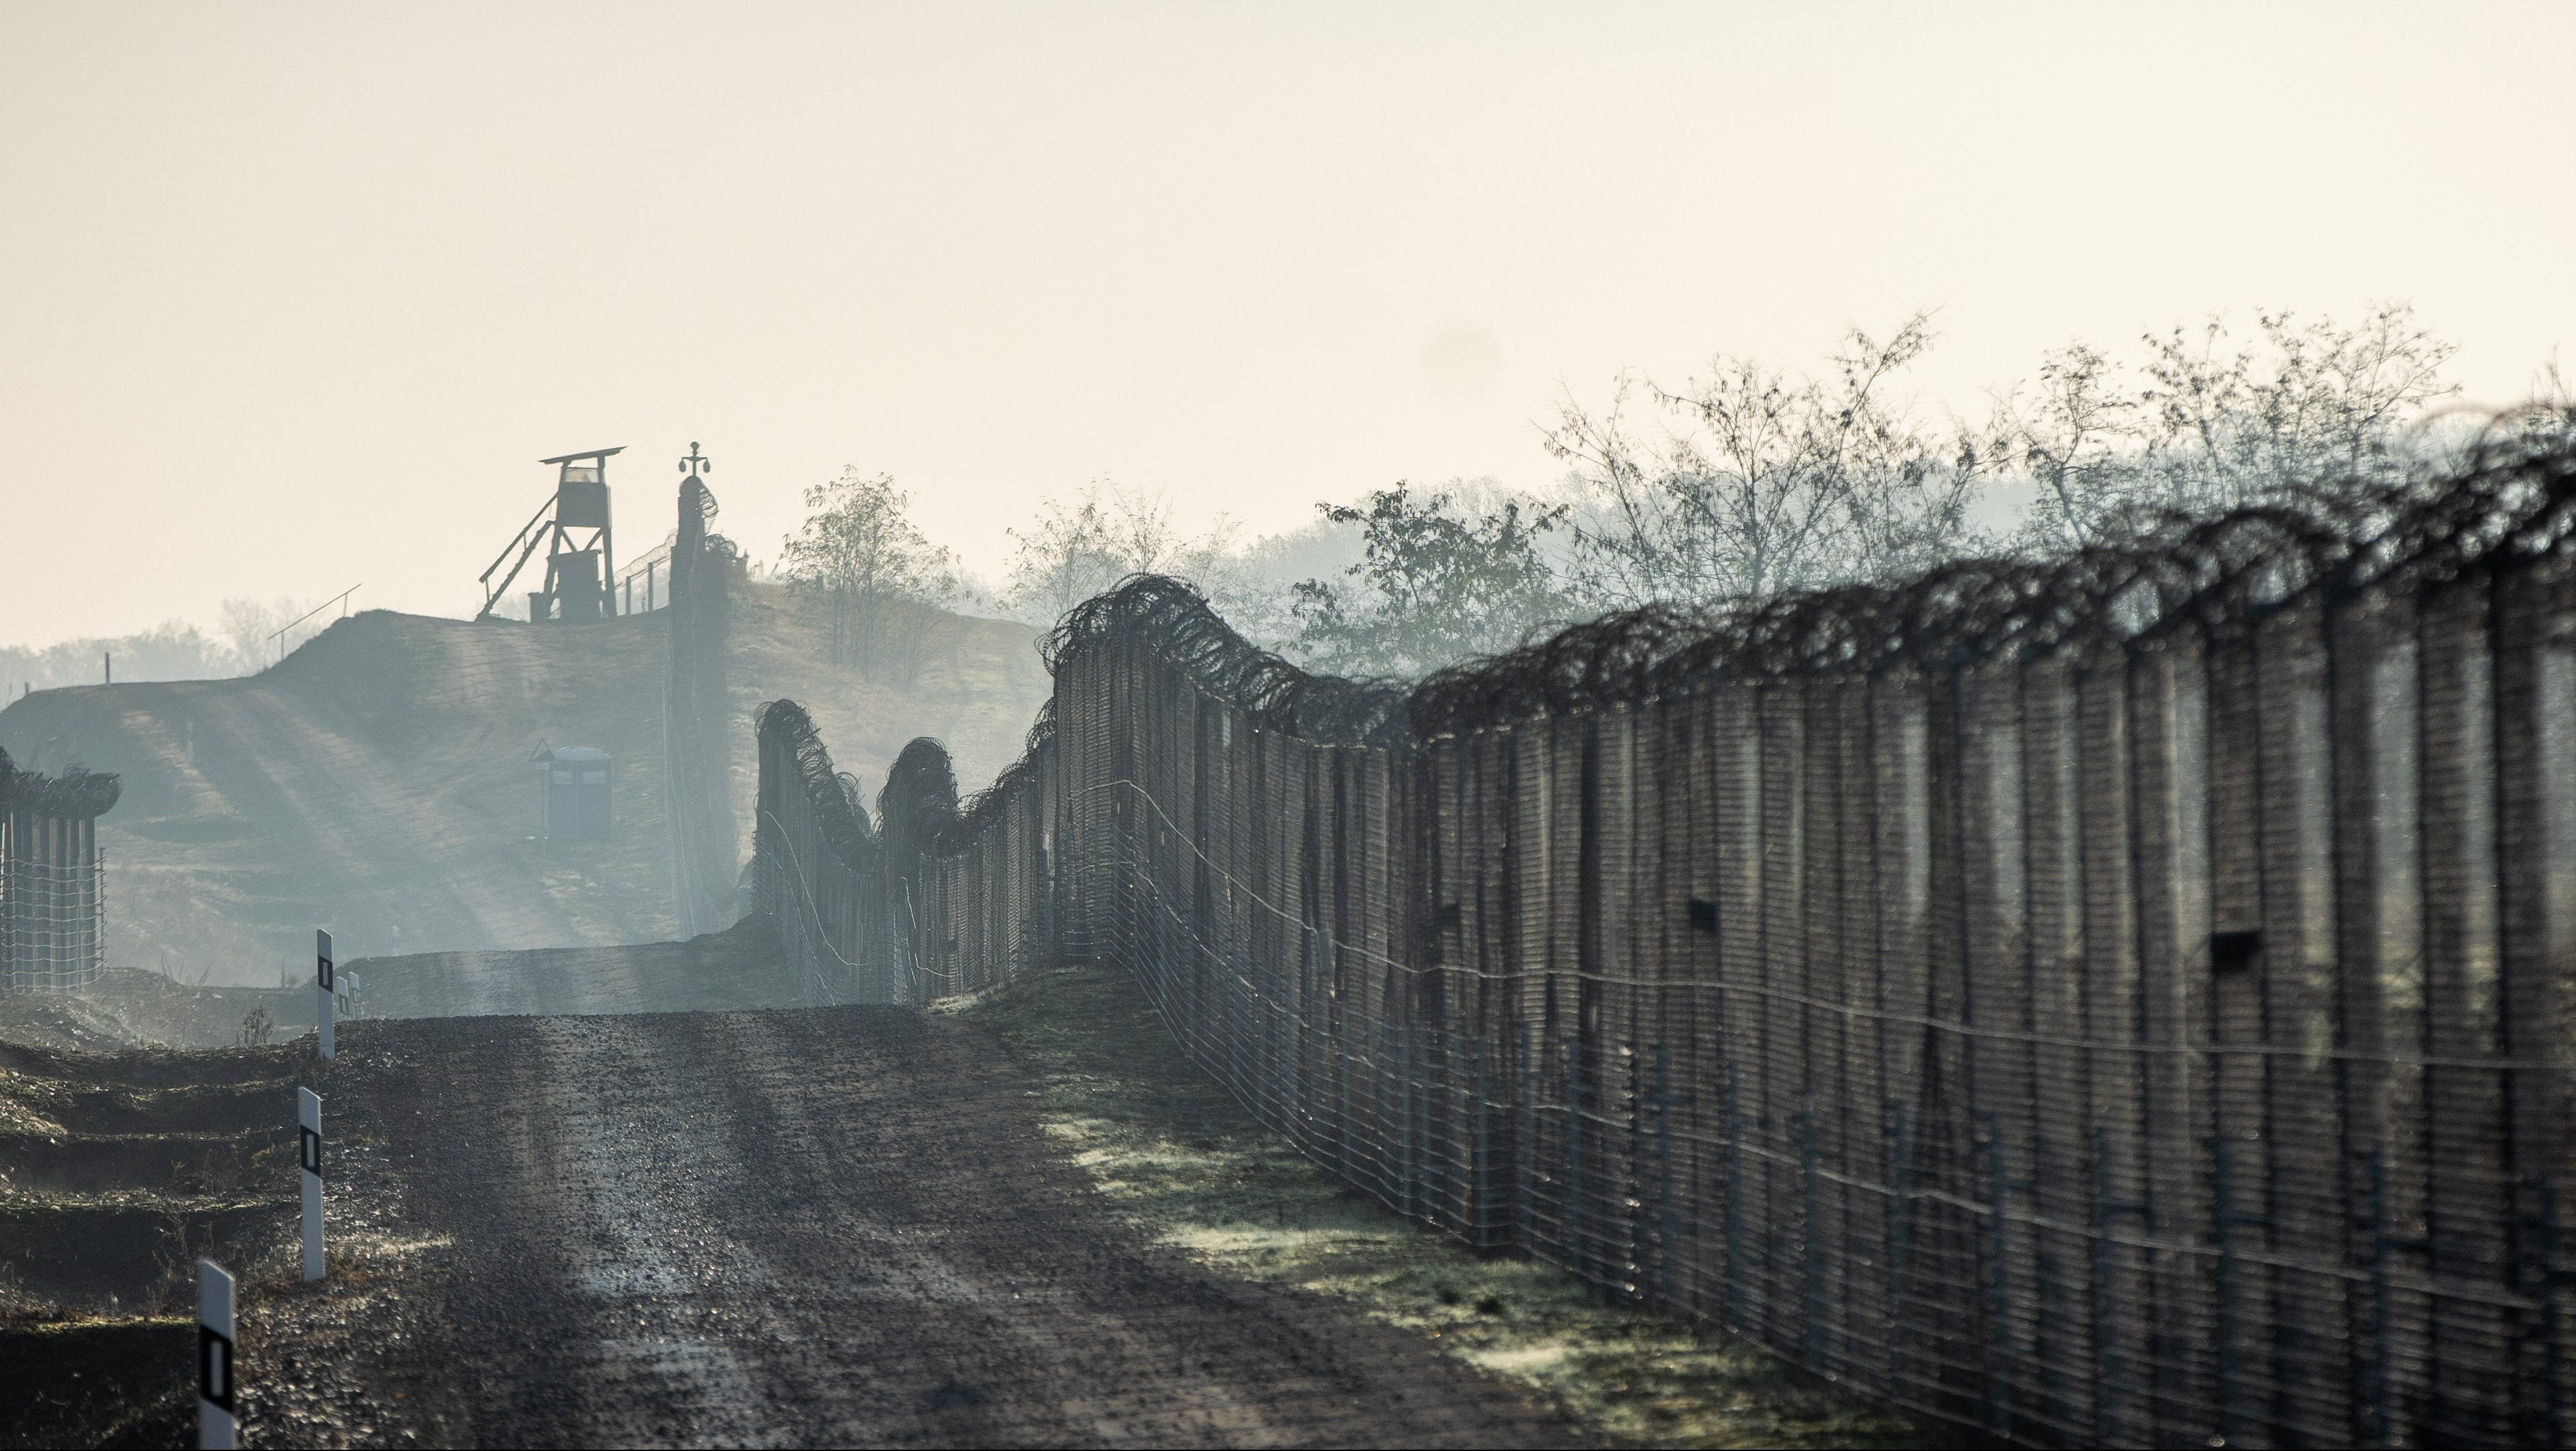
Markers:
point(1187, 1164)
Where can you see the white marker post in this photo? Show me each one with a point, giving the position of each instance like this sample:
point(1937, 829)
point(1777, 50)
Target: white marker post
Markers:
point(308, 1113)
point(322, 986)
point(217, 1426)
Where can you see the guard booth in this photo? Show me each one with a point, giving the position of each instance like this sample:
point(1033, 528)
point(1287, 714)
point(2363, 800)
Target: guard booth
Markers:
point(573, 528)
point(577, 792)
point(575, 575)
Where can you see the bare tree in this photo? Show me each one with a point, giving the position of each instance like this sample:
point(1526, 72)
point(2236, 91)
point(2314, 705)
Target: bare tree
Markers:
point(2068, 432)
point(2547, 418)
point(1255, 586)
point(2316, 410)
point(2304, 406)
point(1765, 480)
point(251, 627)
point(882, 579)
point(1108, 532)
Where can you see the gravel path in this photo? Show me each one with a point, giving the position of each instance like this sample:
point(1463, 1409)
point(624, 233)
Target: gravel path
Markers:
point(798, 1228)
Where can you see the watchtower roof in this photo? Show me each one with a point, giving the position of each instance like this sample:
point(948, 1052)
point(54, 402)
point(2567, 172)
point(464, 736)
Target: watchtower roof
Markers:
point(566, 458)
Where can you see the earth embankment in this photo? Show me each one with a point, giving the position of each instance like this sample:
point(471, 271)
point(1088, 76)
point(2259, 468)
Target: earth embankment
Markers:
point(379, 780)
point(738, 969)
point(116, 1171)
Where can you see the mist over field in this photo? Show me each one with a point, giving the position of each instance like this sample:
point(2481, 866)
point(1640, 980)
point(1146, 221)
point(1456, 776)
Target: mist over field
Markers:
point(1457, 725)
point(298, 294)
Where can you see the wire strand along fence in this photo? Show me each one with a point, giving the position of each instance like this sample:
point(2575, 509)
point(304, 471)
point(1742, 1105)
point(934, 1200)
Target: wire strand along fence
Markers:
point(2119, 1000)
point(53, 882)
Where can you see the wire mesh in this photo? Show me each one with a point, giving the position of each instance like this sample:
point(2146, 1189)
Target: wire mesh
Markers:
point(53, 880)
point(2111, 1000)
point(52, 925)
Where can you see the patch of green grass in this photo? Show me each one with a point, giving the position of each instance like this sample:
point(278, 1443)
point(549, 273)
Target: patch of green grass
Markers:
point(1184, 1162)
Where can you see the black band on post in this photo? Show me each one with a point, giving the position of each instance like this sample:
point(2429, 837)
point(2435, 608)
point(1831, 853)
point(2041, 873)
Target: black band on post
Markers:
point(214, 1368)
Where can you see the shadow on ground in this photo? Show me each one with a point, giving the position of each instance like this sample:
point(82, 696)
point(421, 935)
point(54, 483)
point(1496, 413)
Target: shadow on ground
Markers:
point(1188, 1165)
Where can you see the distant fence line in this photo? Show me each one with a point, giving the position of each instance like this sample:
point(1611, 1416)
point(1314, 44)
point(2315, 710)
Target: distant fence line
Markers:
point(2124, 999)
point(935, 903)
point(52, 880)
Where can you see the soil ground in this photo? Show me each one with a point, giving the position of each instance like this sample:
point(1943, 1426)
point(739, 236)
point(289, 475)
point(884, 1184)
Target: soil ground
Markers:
point(131, 1009)
point(791, 1228)
point(738, 968)
point(116, 1171)
point(1022, 1220)
point(1182, 1162)
point(735, 969)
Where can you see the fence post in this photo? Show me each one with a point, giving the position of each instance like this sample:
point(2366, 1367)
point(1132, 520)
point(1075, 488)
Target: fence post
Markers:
point(1734, 1210)
point(2382, 1418)
point(2114, 1387)
point(1813, 1347)
point(2549, 1278)
point(2223, 1173)
point(1632, 1197)
point(1999, 1332)
point(1482, 1147)
point(1900, 1247)
point(1340, 1039)
point(218, 1425)
point(1426, 1098)
point(308, 1114)
point(1407, 1126)
point(1663, 1176)
point(1574, 1153)
point(1525, 1191)
point(322, 993)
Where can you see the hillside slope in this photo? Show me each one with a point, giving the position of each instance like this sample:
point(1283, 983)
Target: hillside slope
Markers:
point(978, 690)
point(378, 781)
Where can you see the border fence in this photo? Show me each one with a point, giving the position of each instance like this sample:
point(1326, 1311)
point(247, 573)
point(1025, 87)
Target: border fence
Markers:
point(696, 707)
point(53, 899)
point(2122, 999)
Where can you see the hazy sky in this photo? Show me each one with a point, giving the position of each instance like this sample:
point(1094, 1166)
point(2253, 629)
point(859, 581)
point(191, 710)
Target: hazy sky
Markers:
point(292, 297)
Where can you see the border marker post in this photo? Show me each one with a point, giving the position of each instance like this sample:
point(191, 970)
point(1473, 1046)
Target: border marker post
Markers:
point(218, 1426)
point(322, 1013)
point(308, 1137)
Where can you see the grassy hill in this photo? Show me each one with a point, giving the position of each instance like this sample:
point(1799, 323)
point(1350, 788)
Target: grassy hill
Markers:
point(979, 687)
point(378, 781)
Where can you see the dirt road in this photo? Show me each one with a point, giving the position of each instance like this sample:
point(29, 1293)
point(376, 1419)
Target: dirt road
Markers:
point(793, 1228)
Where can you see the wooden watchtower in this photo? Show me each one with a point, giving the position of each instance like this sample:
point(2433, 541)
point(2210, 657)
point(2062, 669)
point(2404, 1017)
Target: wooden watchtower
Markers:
point(581, 553)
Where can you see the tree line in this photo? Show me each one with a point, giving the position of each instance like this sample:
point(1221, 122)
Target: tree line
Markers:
point(1738, 482)
point(1742, 481)
point(244, 642)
